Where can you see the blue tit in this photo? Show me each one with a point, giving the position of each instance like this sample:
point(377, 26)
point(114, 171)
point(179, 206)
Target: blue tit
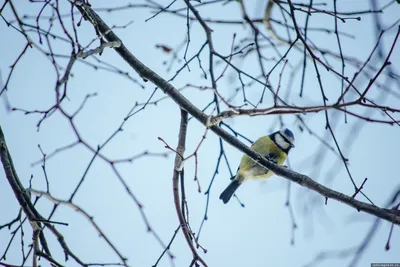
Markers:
point(274, 147)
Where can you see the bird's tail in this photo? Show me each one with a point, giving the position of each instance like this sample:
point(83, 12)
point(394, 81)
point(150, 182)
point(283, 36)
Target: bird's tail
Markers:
point(228, 192)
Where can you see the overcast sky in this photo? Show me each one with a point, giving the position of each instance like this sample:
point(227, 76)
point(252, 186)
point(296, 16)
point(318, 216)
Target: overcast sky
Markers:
point(259, 234)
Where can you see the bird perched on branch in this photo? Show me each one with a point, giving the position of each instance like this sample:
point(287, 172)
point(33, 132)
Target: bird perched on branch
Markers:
point(274, 147)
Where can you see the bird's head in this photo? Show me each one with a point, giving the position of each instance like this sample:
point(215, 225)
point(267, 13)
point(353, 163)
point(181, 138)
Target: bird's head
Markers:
point(285, 139)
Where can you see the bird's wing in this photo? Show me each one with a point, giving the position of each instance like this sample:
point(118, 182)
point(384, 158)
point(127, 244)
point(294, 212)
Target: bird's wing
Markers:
point(249, 169)
point(263, 146)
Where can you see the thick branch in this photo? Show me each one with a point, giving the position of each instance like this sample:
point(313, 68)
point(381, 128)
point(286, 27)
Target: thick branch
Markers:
point(184, 103)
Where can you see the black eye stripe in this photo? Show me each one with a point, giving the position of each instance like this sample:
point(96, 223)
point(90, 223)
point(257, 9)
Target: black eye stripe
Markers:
point(284, 138)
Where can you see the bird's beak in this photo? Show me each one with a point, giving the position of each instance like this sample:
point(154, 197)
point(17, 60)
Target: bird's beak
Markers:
point(292, 145)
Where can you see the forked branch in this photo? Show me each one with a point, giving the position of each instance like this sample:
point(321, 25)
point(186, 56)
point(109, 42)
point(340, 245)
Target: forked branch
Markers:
point(390, 215)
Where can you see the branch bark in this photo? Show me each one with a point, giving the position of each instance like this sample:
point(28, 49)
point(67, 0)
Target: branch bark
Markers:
point(178, 168)
point(29, 209)
point(146, 73)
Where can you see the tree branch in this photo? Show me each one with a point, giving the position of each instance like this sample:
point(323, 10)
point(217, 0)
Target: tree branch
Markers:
point(29, 209)
point(178, 168)
point(390, 215)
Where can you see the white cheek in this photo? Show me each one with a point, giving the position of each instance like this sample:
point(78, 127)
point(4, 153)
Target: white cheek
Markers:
point(281, 142)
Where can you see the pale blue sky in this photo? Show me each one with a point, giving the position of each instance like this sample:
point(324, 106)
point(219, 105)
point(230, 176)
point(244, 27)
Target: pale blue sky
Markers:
point(257, 235)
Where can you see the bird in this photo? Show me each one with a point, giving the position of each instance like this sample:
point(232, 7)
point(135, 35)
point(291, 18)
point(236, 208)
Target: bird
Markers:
point(274, 147)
